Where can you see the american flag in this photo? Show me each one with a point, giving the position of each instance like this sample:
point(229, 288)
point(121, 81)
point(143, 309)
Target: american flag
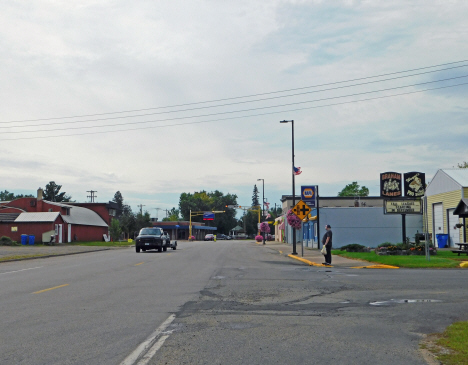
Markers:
point(297, 171)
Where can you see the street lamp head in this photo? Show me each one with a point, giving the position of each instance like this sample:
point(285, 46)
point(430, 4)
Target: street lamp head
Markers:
point(286, 121)
point(259, 179)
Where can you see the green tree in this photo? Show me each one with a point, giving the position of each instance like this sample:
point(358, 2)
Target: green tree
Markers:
point(52, 193)
point(114, 230)
point(463, 165)
point(118, 198)
point(255, 196)
point(207, 202)
point(7, 196)
point(142, 220)
point(354, 189)
point(173, 216)
point(127, 220)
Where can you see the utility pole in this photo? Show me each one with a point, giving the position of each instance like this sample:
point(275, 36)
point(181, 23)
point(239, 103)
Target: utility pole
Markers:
point(141, 208)
point(92, 196)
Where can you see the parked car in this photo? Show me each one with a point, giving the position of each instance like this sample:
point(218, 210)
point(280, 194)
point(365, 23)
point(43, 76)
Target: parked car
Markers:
point(152, 238)
point(221, 236)
point(229, 237)
point(209, 237)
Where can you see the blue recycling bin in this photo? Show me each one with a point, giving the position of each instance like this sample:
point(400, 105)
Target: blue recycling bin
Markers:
point(31, 239)
point(442, 239)
point(24, 239)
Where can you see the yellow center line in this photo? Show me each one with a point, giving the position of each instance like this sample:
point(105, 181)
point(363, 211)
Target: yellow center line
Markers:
point(55, 287)
point(139, 263)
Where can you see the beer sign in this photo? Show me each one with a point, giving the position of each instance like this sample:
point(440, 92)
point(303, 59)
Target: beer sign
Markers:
point(415, 184)
point(390, 184)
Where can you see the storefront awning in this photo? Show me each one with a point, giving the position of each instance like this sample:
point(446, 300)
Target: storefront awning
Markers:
point(462, 209)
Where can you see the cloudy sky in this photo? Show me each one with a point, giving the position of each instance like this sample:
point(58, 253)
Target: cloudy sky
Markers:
point(156, 98)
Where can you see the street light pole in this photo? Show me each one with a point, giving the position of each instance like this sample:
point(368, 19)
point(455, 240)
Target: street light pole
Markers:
point(263, 202)
point(293, 182)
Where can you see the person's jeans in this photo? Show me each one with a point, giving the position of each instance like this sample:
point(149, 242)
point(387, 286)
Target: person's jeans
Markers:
point(328, 258)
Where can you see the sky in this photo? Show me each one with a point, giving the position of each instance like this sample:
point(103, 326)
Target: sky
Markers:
point(157, 98)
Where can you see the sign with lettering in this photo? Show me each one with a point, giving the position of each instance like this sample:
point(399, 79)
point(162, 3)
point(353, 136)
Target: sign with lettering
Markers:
point(390, 184)
point(309, 195)
point(415, 184)
point(403, 206)
point(208, 216)
point(301, 210)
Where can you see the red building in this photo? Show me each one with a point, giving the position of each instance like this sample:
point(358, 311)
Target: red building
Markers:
point(43, 219)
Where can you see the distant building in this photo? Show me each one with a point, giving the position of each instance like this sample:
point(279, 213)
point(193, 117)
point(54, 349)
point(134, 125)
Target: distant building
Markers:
point(180, 230)
point(447, 191)
point(66, 222)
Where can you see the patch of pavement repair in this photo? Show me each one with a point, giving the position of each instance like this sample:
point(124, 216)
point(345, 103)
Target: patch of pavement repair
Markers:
point(404, 301)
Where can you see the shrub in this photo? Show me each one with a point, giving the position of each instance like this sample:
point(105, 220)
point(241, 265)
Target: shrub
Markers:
point(6, 241)
point(356, 247)
point(259, 238)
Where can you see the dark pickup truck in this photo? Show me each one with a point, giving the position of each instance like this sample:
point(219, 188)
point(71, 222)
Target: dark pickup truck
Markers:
point(153, 238)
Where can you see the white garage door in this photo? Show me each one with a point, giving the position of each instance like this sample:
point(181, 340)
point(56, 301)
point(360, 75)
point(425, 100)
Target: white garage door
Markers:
point(438, 221)
point(454, 233)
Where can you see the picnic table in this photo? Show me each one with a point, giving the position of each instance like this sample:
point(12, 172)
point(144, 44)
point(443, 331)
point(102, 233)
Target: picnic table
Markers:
point(462, 248)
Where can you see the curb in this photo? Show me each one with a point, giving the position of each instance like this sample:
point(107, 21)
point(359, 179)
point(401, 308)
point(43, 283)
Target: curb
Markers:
point(48, 256)
point(310, 263)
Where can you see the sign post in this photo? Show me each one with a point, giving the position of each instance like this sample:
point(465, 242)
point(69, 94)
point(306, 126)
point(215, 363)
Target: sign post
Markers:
point(301, 210)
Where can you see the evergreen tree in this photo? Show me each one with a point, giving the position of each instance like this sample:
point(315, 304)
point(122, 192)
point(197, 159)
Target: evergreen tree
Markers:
point(118, 198)
point(52, 193)
point(255, 201)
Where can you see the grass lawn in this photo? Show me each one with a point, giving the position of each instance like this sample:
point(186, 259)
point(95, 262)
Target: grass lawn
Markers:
point(104, 244)
point(443, 259)
point(21, 257)
point(451, 347)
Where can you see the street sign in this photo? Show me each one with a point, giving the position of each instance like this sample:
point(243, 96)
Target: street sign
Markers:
point(309, 195)
point(301, 210)
point(208, 216)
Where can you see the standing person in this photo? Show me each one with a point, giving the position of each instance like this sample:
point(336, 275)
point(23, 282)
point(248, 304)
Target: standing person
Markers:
point(327, 242)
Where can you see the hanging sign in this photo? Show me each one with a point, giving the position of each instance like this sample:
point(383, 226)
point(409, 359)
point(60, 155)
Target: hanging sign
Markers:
point(402, 206)
point(390, 184)
point(309, 195)
point(208, 216)
point(415, 184)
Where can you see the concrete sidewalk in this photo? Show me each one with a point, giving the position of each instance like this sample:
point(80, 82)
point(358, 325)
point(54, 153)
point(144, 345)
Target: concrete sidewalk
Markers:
point(27, 252)
point(313, 256)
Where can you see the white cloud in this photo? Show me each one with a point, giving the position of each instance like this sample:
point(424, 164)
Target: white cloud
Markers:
point(67, 59)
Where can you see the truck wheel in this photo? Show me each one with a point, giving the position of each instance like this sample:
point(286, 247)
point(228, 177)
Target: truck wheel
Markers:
point(174, 248)
point(137, 249)
point(165, 248)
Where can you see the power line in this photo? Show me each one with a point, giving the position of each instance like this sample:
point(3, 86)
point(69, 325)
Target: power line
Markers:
point(227, 104)
point(242, 97)
point(238, 117)
point(92, 196)
point(234, 111)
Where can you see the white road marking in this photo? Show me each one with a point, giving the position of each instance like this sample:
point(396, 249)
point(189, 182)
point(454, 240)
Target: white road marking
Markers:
point(146, 346)
point(10, 272)
point(149, 355)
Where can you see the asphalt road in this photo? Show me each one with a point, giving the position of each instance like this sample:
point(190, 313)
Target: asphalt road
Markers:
point(234, 303)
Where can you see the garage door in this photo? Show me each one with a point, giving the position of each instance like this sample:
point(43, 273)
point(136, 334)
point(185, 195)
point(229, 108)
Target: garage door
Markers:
point(454, 233)
point(438, 221)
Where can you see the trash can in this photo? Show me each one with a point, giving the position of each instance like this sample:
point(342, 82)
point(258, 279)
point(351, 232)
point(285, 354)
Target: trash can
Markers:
point(31, 239)
point(24, 239)
point(442, 239)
